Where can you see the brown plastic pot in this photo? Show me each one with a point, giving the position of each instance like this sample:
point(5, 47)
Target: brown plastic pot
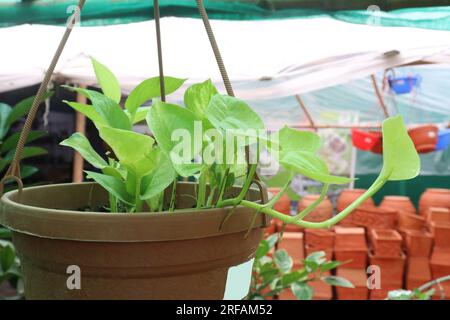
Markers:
point(125, 256)
point(348, 196)
point(398, 203)
point(434, 198)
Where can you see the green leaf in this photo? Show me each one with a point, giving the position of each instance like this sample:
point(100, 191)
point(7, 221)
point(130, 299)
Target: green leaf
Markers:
point(292, 140)
point(113, 185)
point(141, 114)
point(22, 108)
point(198, 96)
point(262, 250)
point(11, 142)
point(317, 257)
point(273, 239)
point(81, 144)
point(159, 179)
point(226, 113)
point(173, 128)
point(7, 257)
point(302, 291)
point(338, 281)
point(27, 171)
point(5, 111)
point(400, 158)
point(283, 260)
point(5, 233)
point(294, 276)
point(28, 152)
point(149, 89)
point(108, 109)
point(310, 166)
point(131, 148)
point(107, 81)
point(330, 265)
point(88, 111)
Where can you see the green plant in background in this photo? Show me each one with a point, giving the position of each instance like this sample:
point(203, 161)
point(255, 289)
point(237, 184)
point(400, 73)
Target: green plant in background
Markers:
point(142, 168)
point(9, 263)
point(422, 293)
point(272, 275)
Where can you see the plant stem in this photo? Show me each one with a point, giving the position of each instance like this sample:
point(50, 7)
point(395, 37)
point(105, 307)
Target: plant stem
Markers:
point(113, 203)
point(138, 201)
point(210, 197)
point(172, 197)
point(379, 182)
point(222, 187)
point(313, 205)
point(201, 190)
point(248, 182)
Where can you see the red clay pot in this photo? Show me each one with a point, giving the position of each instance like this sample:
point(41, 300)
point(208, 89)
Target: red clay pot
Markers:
point(270, 229)
point(424, 138)
point(292, 242)
point(418, 272)
point(319, 239)
point(323, 211)
point(284, 204)
point(357, 257)
point(398, 203)
point(322, 291)
point(434, 198)
point(392, 269)
point(349, 238)
point(441, 233)
point(376, 218)
point(438, 214)
point(407, 221)
point(359, 279)
point(386, 242)
point(348, 196)
point(418, 243)
point(440, 262)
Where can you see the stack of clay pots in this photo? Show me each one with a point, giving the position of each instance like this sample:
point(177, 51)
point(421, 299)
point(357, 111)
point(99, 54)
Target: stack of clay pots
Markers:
point(386, 254)
point(350, 245)
point(322, 212)
point(283, 205)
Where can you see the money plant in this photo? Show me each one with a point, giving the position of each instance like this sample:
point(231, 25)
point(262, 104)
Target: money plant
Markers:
point(197, 140)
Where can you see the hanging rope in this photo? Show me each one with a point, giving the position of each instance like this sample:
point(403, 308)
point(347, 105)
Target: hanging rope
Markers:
point(13, 171)
point(158, 43)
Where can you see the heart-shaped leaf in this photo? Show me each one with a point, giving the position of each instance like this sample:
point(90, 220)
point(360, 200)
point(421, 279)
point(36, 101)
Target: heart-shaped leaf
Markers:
point(283, 260)
point(113, 185)
point(302, 291)
point(198, 96)
point(159, 179)
point(291, 140)
point(88, 111)
point(400, 158)
point(81, 144)
point(107, 81)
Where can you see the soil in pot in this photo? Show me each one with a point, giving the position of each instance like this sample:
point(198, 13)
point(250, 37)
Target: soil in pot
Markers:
point(434, 198)
point(125, 256)
point(398, 203)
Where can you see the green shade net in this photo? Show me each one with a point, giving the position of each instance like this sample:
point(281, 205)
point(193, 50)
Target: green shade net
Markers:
point(431, 14)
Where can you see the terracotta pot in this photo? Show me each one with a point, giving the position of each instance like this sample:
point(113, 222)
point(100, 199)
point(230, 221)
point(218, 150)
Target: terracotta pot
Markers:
point(438, 214)
point(376, 218)
point(319, 239)
point(323, 211)
point(418, 243)
point(357, 257)
point(407, 221)
point(441, 234)
point(434, 198)
point(322, 291)
point(440, 262)
point(121, 255)
point(349, 238)
point(398, 203)
point(292, 242)
point(348, 196)
point(284, 204)
point(386, 242)
point(418, 272)
point(270, 229)
point(424, 138)
point(358, 278)
point(392, 269)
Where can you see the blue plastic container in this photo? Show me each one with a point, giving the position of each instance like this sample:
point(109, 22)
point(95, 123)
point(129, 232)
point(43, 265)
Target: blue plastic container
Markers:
point(404, 85)
point(443, 139)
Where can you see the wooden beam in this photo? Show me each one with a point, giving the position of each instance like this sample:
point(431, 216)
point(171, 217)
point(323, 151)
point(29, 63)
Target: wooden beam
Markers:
point(80, 126)
point(305, 111)
point(379, 96)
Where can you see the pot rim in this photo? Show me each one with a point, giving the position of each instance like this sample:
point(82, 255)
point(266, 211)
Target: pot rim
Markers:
point(66, 224)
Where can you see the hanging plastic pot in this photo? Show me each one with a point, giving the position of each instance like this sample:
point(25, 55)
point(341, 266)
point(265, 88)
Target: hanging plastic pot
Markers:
point(425, 138)
point(367, 141)
point(443, 140)
point(404, 85)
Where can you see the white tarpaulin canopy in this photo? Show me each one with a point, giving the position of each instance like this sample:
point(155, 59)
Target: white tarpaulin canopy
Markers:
point(292, 56)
